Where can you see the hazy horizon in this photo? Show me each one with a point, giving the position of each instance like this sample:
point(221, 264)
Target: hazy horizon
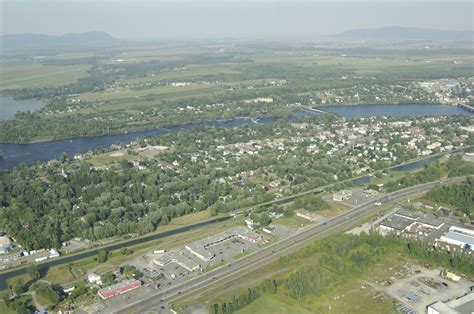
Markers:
point(147, 20)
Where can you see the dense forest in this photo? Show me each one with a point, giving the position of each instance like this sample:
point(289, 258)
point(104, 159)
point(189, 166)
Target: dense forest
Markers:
point(459, 195)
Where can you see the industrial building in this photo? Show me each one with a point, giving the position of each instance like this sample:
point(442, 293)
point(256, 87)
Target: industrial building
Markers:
point(119, 288)
point(200, 247)
point(410, 222)
point(462, 305)
point(462, 237)
point(178, 258)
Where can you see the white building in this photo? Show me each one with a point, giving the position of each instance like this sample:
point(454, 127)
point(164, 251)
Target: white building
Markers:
point(461, 237)
point(200, 248)
point(269, 230)
point(94, 278)
point(462, 305)
point(53, 253)
point(177, 258)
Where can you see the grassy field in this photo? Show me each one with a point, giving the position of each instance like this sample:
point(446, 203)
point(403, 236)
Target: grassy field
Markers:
point(349, 295)
point(28, 75)
point(269, 304)
point(291, 222)
point(125, 93)
point(187, 72)
point(110, 158)
point(335, 209)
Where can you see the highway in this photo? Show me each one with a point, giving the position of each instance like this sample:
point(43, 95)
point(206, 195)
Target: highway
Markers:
point(259, 257)
point(10, 273)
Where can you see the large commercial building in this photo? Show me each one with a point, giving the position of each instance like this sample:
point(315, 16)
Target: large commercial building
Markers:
point(410, 222)
point(462, 237)
point(462, 305)
point(200, 247)
point(178, 258)
point(119, 288)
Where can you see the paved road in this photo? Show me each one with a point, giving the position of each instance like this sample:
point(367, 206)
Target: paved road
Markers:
point(4, 276)
point(160, 299)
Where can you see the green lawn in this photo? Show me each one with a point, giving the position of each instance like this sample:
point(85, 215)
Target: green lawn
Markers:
point(4, 309)
point(269, 304)
point(125, 93)
point(291, 222)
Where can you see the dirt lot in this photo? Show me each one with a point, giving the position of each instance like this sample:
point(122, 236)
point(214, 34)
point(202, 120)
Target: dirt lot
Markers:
point(421, 289)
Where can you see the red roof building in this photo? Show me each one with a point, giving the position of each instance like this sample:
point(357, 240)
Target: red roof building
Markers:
point(119, 288)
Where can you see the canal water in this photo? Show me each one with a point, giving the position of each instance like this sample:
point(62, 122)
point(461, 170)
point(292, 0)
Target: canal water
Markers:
point(69, 259)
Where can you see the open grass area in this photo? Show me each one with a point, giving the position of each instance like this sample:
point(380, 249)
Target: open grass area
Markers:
point(291, 222)
point(42, 301)
point(115, 157)
point(348, 293)
point(4, 309)
point(270, 304)
point(29, 75)
point(125, 93)
point(187, 72)
point(336, 208)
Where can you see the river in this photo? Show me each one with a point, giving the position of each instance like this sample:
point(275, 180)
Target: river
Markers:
point(17, 154)
point(10, 106)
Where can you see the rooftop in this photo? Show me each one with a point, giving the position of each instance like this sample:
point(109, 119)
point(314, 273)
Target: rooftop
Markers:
point(462, 305)
point(119, 285)
point(453, 235)
point(179, 259)
point(396, 222)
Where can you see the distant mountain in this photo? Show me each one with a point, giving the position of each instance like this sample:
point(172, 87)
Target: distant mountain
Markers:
point(406, 33)
point(46, 42)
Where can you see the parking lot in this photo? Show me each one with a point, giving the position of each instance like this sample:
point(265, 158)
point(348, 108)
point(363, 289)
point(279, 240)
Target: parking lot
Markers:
point(180, 264)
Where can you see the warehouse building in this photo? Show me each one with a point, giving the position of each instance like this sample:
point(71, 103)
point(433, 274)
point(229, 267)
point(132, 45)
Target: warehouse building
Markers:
point(200, 248)
point(462, 237)
point(119, 288)
point(410, 222)
point(462, 305)
point(178, 258)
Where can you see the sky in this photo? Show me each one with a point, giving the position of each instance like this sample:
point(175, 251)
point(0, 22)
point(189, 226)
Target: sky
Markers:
point(204, 19)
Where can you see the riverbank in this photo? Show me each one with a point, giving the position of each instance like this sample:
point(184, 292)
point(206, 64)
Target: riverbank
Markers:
point(17, 154)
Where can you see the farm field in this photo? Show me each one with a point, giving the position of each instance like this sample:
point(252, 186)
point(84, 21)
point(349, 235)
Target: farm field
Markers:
point(36, 75)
